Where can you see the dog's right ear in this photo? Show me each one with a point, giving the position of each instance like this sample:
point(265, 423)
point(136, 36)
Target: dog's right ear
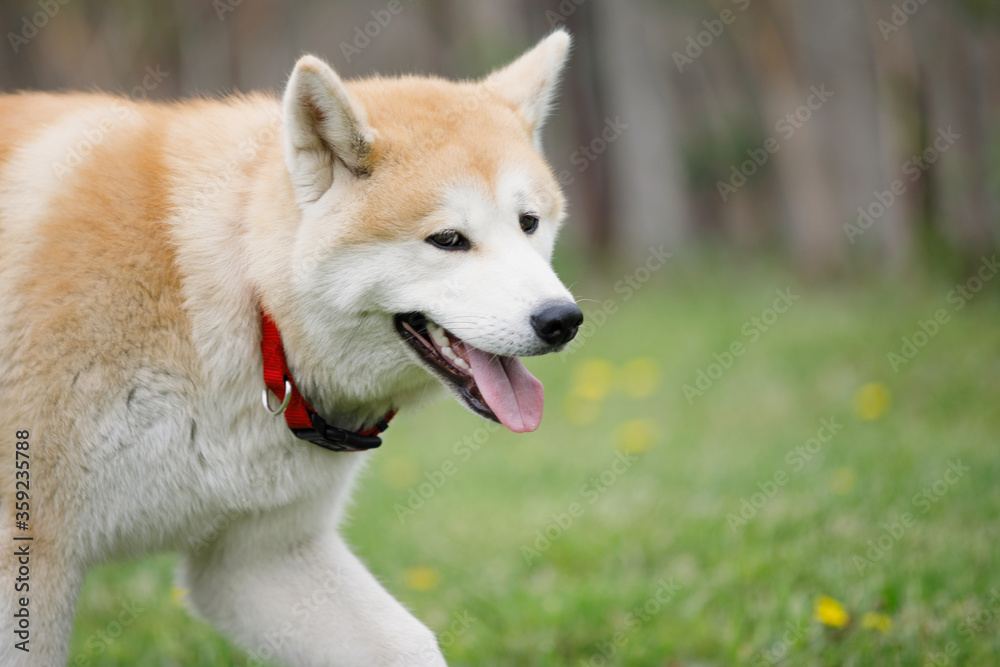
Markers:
point(323, 125)
point(529, 83)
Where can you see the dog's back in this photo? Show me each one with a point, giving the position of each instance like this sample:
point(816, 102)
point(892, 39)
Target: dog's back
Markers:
point(97, 362)
point(140, 246)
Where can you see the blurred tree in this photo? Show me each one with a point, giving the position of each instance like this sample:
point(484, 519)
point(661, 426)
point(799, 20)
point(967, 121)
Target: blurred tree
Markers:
point(952, 56)
point(898, 77)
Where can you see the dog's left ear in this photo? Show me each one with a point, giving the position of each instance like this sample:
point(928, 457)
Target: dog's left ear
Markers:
point(530, 82)
point(323, 125)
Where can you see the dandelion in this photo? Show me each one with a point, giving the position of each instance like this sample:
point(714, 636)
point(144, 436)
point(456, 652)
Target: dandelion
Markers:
point(640, 377)
point(593, 379)
point(422, 578)
point(843, 481)
point(830, 612)
point(876, 621)
point(871, 401)
point(178, 594)
point(636, 435)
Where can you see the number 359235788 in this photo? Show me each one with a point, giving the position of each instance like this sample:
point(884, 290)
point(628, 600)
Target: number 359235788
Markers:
point(22, 485)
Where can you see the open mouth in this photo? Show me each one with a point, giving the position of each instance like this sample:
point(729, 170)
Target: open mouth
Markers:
point(495, 387)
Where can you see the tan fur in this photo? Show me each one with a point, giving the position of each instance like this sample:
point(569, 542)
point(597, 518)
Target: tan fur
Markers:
point(119, 267)
point(416, 119)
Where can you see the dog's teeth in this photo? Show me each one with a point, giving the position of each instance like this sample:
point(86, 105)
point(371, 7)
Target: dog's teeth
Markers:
point(438, 335)
point(448, 352)
point(461, 363)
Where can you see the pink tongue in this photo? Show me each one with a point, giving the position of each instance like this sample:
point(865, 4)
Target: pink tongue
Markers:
point(514, 395)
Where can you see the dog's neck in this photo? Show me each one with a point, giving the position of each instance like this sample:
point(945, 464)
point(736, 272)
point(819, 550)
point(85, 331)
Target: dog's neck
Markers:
point(355, 371)
point(349, 364)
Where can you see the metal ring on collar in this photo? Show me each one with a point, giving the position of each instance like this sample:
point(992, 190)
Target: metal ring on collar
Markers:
point(284, 404)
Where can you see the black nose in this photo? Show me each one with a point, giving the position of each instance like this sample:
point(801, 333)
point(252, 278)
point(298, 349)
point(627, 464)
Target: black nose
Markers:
point(557, 323)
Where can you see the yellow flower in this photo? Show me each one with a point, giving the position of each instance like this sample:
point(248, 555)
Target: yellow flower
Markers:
point(593, 378)
point(178, 594)
point(871, 401)
point(876, 621)
point(640, 377)
point(422, 578)
point(843, 481)
point(636, 435)
point(830, 612)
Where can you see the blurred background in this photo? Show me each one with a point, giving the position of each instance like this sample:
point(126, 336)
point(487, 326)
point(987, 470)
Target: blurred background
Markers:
point(691, 95)
point(815, 361)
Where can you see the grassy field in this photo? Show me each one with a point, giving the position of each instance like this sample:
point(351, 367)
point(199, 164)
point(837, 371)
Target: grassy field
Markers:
point(644, 524)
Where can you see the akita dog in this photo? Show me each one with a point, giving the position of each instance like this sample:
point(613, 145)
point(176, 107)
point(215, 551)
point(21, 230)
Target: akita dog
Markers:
point(348, 247)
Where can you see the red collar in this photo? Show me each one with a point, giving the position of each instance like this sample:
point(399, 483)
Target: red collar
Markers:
point(303, 421)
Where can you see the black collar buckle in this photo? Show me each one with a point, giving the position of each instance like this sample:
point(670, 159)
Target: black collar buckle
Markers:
point(338, 439)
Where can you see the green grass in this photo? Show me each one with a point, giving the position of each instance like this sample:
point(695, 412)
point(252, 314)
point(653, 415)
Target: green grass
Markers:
point(665, 517)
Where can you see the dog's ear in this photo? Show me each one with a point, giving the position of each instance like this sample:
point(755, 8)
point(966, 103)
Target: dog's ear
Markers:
point(323, 125)
point(530, 83)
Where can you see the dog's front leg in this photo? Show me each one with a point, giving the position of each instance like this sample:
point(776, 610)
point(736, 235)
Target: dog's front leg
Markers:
point(287, 588)
point(37, 609)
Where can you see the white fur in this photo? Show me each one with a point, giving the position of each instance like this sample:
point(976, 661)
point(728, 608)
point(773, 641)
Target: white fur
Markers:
point(193, 463)
point(322, 124)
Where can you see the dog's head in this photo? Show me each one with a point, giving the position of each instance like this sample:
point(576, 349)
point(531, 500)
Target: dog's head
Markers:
point(428, 215)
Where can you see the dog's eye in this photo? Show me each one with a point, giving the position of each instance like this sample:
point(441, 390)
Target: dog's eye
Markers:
point(449, 240)
point(529, 223)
